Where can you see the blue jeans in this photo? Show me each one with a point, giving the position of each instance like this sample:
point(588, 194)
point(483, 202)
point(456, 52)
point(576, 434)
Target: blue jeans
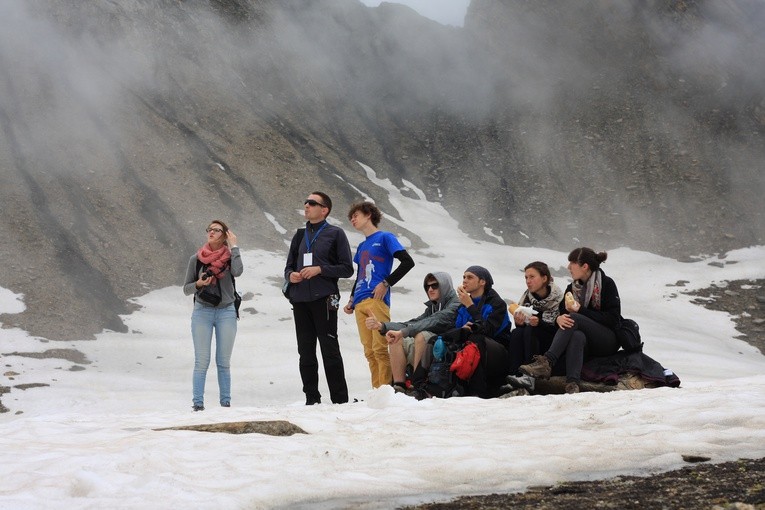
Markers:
point(203, 320)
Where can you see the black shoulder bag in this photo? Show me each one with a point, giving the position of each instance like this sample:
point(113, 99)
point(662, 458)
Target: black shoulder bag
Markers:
point(214, 299)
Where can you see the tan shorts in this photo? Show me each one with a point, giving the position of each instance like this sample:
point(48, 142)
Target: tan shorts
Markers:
point(408, 344)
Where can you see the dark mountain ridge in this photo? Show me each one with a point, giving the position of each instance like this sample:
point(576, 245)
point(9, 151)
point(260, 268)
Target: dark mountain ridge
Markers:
point(126, 126)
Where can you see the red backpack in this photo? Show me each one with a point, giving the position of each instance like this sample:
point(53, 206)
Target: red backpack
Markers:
point(466, 361)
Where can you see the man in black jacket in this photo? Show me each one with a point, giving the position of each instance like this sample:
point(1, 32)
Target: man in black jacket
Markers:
point(319, 255)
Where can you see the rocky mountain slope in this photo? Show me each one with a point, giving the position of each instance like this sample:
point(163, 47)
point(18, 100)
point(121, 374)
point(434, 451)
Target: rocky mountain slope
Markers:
point(126, 126)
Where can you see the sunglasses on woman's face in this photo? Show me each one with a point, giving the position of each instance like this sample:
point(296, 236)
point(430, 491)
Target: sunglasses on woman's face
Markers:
point(211, 229)
point(433, 286)
point(313, 203)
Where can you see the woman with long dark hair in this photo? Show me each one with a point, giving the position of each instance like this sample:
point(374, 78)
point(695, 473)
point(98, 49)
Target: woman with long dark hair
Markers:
point(210, 277)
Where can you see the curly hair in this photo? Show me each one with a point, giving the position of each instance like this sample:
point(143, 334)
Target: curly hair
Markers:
point(366, 208)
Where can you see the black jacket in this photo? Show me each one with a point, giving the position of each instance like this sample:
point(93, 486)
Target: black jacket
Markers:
point(331, 251)
point(607, 370)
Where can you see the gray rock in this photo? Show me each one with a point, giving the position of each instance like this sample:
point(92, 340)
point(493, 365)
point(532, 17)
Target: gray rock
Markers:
point(271, 428)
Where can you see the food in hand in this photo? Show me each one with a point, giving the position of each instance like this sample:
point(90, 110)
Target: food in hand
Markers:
point(570, 301)
point(526, 310)
point(512, 307)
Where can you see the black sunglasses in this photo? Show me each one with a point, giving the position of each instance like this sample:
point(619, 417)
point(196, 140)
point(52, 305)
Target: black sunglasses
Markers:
point(313, 202)
point(429, 286)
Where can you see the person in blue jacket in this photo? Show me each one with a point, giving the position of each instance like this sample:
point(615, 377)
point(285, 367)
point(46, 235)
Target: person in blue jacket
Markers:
point(483, 319)
point(319, 256)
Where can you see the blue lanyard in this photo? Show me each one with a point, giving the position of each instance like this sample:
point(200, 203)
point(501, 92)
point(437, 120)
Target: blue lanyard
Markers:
point(309, 242)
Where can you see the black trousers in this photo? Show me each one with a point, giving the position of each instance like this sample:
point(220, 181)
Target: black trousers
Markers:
point(492, 369)
point(525, 342)
point(587, 339)
point(317, 320)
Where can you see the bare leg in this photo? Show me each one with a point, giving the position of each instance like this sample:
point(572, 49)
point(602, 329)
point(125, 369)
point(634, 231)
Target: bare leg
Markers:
point(419, 348)
point(397, 360)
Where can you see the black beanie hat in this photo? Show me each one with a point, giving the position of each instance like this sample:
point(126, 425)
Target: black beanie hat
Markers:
point(482, 273)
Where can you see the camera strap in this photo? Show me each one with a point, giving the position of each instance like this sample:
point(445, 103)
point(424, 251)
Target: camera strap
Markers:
point(201, 266)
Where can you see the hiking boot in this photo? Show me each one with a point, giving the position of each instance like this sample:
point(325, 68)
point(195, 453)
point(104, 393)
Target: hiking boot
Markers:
point(521, 381)
point(540, 368)
point(198, 407)
point(225, 404)
point(572, 387)
point(309, 401)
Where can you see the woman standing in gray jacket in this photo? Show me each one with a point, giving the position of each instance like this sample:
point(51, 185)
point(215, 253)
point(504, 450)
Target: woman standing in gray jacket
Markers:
point(210, 277)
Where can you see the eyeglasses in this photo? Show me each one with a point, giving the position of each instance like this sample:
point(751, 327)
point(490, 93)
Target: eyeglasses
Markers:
point(210, 229)
point(433, 286)
point(313, 202)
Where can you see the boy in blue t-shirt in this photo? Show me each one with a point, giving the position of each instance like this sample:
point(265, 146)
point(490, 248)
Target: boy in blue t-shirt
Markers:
point(371, 293)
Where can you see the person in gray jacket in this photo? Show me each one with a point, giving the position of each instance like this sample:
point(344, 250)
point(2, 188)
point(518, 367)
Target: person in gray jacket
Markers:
point(209, 277)
point(407, 340)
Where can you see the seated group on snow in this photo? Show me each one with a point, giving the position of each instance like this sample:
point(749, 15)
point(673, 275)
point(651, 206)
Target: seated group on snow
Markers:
point(464, 342)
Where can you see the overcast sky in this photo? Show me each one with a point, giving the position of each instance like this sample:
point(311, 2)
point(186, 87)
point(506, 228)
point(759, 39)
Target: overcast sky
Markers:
point(446, 12)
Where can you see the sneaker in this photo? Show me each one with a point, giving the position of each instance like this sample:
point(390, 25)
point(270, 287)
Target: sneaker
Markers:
point(521, 381)
point(572, 387)
point(225, 404)
point(309, 401)
point(540, 367)
point(517, 392)
point(198, 407)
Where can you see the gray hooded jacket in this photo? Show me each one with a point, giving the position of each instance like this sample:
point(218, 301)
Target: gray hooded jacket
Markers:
point(438, 316)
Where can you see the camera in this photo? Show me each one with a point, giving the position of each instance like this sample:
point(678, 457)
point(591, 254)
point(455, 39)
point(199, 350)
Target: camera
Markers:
point(208, 274)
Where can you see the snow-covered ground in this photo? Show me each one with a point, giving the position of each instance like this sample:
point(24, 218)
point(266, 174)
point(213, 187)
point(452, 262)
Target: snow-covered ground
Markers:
point(89, 440)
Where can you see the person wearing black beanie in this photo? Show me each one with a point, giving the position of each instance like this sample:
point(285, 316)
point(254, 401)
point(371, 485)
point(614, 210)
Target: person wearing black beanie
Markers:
point(483, 274)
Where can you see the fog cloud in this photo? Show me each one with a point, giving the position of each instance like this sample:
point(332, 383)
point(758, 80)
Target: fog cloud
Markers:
point(446, 12)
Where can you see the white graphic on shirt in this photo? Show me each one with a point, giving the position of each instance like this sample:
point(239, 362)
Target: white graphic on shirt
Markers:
point(368, 270)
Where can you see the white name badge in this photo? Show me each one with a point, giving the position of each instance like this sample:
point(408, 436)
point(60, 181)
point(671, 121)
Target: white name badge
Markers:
point(307, 259)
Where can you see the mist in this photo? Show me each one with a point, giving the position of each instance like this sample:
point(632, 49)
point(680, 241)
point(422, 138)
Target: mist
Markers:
point(127, 125)
point(65, 66)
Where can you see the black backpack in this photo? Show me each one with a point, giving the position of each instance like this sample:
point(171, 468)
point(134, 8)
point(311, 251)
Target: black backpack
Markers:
point(628, 335)
point(441, 381)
